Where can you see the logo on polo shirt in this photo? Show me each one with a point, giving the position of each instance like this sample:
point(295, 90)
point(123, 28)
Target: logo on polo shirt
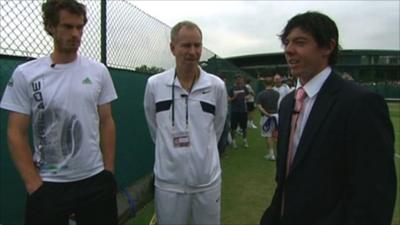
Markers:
point(87, 81)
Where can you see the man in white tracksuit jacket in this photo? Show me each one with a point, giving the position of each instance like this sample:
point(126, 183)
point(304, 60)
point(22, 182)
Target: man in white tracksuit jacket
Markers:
point(185, 108)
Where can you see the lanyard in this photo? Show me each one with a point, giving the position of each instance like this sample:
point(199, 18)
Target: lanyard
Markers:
point(186, 100)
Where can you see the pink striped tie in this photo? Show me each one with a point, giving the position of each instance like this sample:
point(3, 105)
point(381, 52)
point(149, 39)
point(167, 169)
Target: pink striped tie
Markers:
point(298, 106)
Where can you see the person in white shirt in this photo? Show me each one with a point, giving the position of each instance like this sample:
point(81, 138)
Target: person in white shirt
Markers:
point(250, 105)
point(185, 108)
point(67, 97)
point(280, 87)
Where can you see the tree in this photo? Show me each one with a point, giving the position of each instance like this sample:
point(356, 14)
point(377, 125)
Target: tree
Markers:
point(149, 70)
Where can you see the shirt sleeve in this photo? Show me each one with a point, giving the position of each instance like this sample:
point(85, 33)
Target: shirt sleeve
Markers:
point(108, 92)
point(246, 91)
point(150, 110)
point(258, 98)
point(16, 95)
point(221, 109)
point(250, 89)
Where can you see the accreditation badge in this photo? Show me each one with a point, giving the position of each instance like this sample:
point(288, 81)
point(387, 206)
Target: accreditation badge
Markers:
point(181, 139)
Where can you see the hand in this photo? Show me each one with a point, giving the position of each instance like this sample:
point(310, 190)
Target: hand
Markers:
point(34, 185)
point(111, 170)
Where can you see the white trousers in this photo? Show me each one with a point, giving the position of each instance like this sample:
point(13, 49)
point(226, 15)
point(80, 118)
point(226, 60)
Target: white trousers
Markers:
point(178, 209)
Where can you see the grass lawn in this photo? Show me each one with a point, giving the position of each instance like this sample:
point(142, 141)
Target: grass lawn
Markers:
point(248, 181)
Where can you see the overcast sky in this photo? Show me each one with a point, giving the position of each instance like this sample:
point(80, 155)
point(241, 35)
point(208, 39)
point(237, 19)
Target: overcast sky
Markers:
point(233, 28)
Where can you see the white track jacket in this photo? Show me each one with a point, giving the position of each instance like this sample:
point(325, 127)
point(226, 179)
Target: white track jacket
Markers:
point(201, 114)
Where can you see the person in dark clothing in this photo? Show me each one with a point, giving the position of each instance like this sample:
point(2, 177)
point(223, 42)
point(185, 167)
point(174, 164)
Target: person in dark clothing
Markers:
point(237, 97)
point(335, 162)
point(267, 104)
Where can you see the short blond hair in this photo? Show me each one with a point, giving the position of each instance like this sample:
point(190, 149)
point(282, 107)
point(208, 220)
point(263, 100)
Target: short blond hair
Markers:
point(175, 30)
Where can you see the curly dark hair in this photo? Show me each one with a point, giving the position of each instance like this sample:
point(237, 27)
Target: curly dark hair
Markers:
point(320, 26)
point(51, 11)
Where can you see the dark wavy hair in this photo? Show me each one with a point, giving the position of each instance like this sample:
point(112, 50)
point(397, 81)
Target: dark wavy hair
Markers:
point(51, 11)
point(321, 27)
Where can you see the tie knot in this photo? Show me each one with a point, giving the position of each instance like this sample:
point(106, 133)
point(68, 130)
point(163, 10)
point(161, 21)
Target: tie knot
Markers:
point(300, 94)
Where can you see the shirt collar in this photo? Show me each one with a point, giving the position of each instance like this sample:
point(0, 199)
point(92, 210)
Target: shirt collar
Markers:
point(201, 82)
point(313, 86)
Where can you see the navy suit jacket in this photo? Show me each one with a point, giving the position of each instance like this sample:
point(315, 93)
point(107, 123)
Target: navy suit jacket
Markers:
point(343, 171)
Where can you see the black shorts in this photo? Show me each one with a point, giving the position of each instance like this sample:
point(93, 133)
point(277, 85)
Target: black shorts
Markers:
point(91, 200)
point(239, 118)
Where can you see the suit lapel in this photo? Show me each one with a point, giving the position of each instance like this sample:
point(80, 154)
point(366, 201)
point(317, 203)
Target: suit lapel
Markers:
point(285, 118)
point(322, 105)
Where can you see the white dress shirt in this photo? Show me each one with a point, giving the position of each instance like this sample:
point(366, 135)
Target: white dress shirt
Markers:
point(312, 88)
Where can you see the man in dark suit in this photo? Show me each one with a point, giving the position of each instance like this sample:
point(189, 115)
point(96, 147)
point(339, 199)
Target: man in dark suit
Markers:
point(341, 169)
